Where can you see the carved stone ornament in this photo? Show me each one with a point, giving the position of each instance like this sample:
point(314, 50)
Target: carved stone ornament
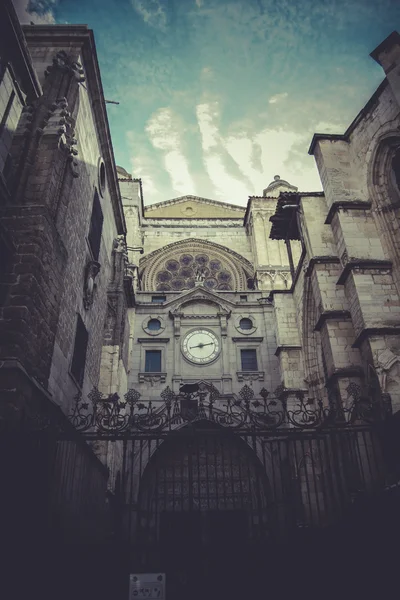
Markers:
point(119, 246)
point(91, 272)
point(187, 264)
point(59, 123)
point(65, 63)
point(250, 375)
point(152, 378)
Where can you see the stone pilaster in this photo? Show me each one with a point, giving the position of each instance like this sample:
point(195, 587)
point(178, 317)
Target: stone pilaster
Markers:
point(271, 260)
point(289, 349)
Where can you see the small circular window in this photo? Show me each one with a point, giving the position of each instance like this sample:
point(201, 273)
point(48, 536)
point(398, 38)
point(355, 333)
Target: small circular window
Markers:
point(245, 324)
point(102, 176)
point(154, 325)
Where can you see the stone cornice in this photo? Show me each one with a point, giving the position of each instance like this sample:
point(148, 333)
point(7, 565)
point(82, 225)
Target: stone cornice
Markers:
point(192, 223)
point(152, 378)
point(363, 263)
point(319, 260)
point(153, 340)
point(353, 371)
point(346, 205)
point(249, 338)
point(328, 315)
point(183, 316)
point(182, 199)
point(284, 348)
point(361, 115)
point(373, 332)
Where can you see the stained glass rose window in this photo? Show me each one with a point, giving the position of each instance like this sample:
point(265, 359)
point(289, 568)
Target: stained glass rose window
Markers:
point(182, 272)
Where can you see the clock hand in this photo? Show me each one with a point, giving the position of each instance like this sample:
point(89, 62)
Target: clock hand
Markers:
point(201, 345)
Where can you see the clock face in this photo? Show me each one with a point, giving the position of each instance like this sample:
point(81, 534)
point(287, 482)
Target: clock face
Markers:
point(201, 346)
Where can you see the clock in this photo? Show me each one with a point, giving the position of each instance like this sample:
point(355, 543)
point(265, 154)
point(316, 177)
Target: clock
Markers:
point(201, 346)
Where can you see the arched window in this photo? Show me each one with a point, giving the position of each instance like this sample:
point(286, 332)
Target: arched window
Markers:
point(396, 168)
point(154, 325)
point(246, 324)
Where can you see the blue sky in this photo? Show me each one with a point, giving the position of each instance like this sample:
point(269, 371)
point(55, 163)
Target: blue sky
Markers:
point(218, 96)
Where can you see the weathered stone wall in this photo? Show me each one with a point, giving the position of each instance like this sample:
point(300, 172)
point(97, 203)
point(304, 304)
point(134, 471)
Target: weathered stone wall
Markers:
point(75, 230)
point(57, 152)
point(360, 310)
point(232, 236)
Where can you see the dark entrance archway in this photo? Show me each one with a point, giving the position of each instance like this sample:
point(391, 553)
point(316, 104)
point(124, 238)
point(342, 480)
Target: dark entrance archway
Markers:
point(202, 513)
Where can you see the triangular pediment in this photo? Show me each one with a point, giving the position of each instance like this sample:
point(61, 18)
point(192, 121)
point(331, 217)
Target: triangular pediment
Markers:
point(202, 295)
point(193, 207)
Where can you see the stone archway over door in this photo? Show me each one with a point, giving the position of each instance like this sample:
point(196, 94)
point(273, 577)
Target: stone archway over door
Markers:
point(202, 510)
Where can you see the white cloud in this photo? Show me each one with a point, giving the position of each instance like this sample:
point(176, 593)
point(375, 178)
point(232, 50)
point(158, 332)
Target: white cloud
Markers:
point(207, 114)
point(165, 133)
point(199, 3)
point(152, 12)
point(142, 165)
point(206, 72)
point(227, 187)
point(278, 98)
point(35, 11)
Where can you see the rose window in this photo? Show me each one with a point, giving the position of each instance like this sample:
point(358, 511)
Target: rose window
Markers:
point(182, 274)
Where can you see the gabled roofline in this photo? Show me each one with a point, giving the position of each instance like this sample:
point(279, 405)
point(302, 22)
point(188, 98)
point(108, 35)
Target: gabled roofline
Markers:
point(81, 35)
point(182, 199)
point(345, 136)
point(200, 292)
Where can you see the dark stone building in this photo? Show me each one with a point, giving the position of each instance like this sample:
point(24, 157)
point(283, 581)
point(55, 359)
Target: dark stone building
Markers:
point(191, 389)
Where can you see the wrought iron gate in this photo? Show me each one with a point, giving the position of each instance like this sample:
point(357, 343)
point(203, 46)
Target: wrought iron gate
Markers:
point(223, 495)
point(211, 490)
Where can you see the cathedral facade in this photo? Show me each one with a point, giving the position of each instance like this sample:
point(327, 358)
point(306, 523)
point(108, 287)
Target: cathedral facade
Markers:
point(193, 353)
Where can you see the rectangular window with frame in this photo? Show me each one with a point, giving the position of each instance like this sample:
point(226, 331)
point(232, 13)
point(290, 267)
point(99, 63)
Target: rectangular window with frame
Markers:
point(158, 299)
point(80, 349)
point(12, 101)
point(96, 226)
point(153, 361)
point(249, 359)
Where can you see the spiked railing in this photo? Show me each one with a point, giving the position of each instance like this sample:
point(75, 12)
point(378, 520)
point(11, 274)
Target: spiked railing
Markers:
point(282, 410)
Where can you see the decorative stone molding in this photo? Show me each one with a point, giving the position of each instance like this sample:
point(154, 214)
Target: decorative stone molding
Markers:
point(151, 331)
point(253, 339)
point(237, 268)
point(153, 340)
point(203, 295)
point(91, 272)
point(152, 378)
point(250, 375)
point(245, 331)
point(273, 279)
point(195, 199)
point(193, 223)
point(60, 124)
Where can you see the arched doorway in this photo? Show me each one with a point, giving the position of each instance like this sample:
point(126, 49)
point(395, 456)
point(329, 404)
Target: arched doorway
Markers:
point(202, 513)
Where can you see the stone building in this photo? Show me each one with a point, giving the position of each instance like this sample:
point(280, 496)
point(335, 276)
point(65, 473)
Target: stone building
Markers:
point(194, 375)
